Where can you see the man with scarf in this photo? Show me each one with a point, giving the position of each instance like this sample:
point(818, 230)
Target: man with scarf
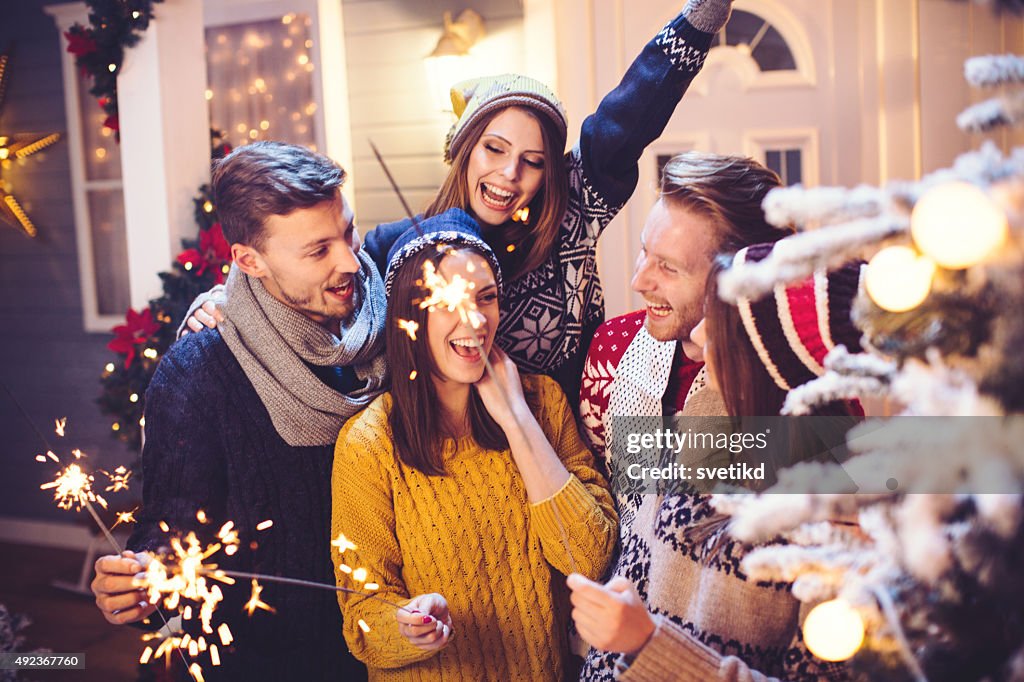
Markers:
point(241, 421)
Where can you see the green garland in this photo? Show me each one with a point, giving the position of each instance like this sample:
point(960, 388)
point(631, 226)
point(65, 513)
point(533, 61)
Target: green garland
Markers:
point(99, 49)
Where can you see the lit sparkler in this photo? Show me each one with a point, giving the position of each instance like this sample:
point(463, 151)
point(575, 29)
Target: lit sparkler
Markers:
point(73, 488)
point(452, 295)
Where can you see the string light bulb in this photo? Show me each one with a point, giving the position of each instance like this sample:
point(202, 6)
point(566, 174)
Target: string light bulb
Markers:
point(957, 225)
point(833, 630)
point(898, 279)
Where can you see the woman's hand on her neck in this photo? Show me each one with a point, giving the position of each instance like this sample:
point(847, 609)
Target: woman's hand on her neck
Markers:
point(502, 394)
point(502, 391)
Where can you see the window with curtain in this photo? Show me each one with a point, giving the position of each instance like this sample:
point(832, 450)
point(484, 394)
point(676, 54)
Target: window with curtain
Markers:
point(260, 86)
point(261, 81)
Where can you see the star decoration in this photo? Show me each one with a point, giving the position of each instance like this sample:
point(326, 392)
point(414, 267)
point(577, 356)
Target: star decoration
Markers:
point(14, 147)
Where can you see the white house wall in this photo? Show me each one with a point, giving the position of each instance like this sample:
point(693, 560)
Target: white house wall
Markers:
point(385, 42)
point(886, 89)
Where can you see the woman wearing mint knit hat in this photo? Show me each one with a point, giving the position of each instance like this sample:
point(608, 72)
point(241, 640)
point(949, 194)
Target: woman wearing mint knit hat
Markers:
point(506, 155)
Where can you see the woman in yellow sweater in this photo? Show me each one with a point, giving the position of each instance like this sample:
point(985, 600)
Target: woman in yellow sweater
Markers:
point(468, 495)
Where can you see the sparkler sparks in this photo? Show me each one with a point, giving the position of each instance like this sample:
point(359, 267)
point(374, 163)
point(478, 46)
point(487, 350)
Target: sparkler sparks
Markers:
point(183, 575)
point(59, 425)
point(410, 327)
point(342, 543)
point(73, 488)
point(125, 517)
point(453, 295)
point(118, 479)
point(522, 215)
point(255, 602)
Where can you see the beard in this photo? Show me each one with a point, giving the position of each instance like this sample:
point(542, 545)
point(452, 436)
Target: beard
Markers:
point(677, 326)
point(316, 306)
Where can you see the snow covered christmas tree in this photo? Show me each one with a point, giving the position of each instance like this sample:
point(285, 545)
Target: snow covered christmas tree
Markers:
point(923, 586)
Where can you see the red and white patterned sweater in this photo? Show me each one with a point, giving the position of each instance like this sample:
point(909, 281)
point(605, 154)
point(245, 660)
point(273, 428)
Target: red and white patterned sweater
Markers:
point(659, 371)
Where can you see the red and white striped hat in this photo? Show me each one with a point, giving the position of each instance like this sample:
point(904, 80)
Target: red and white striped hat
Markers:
point(795, 327)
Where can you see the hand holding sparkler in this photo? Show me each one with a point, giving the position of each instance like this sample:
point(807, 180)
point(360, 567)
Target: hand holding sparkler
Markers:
point(116, 586)
point(426, 622)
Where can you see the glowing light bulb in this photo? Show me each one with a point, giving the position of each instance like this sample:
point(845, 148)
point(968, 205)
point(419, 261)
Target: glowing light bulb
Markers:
point(109, 367)
point(897, 279)
point(111, 68)
point(957, 225)
point(833, 630)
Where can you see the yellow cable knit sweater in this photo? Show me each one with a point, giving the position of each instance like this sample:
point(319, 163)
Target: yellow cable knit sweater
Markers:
point(472, 536)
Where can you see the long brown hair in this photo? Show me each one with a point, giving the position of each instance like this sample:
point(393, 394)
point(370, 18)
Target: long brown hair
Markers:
point(746, 387)
point(534, 241)
point(418, 426)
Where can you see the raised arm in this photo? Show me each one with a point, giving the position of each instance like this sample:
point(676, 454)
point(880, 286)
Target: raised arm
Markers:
point(636, 112)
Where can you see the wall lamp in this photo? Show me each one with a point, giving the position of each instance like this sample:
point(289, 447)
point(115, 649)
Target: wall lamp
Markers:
point(451, 61)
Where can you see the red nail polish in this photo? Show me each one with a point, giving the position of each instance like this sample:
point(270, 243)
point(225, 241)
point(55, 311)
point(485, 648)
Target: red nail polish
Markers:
point(427, 619)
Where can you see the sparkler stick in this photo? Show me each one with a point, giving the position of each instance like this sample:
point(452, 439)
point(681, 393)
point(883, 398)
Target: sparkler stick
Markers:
point(303, 583)
point(464, 314)
point(394, 186)
point(103, 527)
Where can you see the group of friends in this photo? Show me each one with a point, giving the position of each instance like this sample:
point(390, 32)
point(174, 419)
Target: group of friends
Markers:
point(316, 391)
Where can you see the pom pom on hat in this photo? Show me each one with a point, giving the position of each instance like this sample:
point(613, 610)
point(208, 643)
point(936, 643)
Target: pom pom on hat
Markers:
point(796, 326)
point(474, 98)
point(454, 227)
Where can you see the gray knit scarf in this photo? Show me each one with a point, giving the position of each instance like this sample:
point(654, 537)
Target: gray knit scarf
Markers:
point(271, 341)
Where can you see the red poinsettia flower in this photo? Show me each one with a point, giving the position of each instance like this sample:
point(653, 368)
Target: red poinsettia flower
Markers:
point(80, 43)
point(112, 123)
point(216, 249)
point(193, 261)
point(138, 329)
point(214, 253)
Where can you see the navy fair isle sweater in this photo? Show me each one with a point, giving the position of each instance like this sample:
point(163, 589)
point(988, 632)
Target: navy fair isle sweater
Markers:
point(548, 316)
point(210, 445)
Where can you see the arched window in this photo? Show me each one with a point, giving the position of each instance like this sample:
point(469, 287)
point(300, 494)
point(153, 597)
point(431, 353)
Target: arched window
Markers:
point(765, 44)
point(755, 36)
